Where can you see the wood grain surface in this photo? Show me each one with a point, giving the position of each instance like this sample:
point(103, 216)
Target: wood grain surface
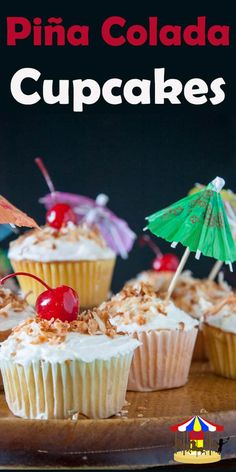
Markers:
point(139, 437)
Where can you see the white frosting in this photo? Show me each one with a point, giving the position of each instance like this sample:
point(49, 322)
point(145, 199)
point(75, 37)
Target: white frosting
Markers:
point(10, 317)
point(191, 294)
point(225, 319)
point(14, 318)
point(126, 313)
point(75, 347)
point(63, 248)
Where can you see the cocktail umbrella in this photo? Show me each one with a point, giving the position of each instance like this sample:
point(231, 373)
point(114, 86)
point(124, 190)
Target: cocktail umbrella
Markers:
point(9, 214)
point(199, 222)
point(116, 232)
point(229, 200)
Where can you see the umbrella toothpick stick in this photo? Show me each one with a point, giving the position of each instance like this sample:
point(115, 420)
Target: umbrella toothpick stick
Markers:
point(215, 270)
point(177, 273)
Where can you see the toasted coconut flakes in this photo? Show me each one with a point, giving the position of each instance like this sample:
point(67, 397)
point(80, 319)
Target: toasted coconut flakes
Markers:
point(70, 233)
point(181, 325)
point(3, 313)
point(229, 300)
point(10, 300)
point(53, 331)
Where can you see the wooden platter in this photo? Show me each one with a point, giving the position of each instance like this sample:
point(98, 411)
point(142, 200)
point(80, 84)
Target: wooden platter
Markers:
point(139, 436)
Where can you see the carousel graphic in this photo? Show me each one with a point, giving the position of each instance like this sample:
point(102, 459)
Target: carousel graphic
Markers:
point(195, 443)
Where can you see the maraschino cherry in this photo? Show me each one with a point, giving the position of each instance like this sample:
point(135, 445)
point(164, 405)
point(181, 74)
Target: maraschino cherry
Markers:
point(59, 303)
point(60, 215)
point(162, 262)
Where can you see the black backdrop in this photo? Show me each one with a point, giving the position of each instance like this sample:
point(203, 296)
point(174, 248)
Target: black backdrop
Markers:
point(143, 157)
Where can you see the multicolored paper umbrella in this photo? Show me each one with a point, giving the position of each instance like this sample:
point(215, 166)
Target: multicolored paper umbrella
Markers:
point(229, 200)
point(197, 423)
point(9, 214)
point(116, 232)
point(199, 222)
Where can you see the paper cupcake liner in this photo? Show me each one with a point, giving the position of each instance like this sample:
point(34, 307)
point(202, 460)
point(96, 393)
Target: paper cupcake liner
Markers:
point(162, 361)
point(221, 348)
point(3, 336)
point(200, 348)
point(91, 279)
point(44, 390)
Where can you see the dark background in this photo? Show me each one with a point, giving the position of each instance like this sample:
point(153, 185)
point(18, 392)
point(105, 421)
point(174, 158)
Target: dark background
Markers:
point(143, 157)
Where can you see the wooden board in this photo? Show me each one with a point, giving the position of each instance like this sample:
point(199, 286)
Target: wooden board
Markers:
point(139, 437)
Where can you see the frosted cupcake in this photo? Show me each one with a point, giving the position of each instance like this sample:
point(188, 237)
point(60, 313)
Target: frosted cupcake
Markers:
point(75, 255)
point(194, 296)
point(53, 368)
point(167, 335)
point(191, 295)
point(219, 329)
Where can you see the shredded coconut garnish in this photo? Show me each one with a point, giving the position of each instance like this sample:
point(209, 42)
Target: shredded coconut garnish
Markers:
point(71, 233)
point(230, 300)
point(10, 300)
point(188, 291)
point(134, 302)
point(91, 322)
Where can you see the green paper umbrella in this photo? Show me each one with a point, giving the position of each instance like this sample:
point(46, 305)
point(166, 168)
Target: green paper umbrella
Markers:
point(229, 200)
point(199, 222)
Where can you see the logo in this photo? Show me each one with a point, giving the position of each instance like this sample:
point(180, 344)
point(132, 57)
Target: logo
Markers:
point(195, 441)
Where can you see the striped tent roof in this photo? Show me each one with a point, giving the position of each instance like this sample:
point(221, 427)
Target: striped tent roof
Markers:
point(197, 423)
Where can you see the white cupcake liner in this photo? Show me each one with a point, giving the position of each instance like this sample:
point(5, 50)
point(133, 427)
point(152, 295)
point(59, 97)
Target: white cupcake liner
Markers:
point(162, 361)
point(44, 390)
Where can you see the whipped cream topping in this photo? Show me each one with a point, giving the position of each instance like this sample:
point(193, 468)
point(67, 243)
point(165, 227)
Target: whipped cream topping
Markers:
point(13, 309)
point(191, 295)
point(70, 243)
point(138, 308)
point(223, 315)
point(56, 341)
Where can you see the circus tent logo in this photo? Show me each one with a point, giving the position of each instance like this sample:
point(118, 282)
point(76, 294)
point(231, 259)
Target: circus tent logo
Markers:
point(195, 441)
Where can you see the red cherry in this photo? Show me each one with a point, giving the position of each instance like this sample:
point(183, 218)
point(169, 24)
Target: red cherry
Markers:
point(165, 262)
point(60, 303)
point(60, 215)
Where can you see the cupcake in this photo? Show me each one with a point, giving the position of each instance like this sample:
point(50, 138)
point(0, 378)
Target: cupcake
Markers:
point(194, 296)
point(54, 367)
point(81, 247)
point(191, 295)
point(219, 329)
point(167, 335)
point(75, 255)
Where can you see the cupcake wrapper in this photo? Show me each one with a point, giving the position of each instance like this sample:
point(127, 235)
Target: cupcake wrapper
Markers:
point(200, 348)
point(221, 349)
point(162, 361)
point(44, 390)
point(91, 279)
point(3, 336)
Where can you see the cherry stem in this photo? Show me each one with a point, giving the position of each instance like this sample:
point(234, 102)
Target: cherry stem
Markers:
point(9, 276)
point(45, 173)
point(146, 241)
